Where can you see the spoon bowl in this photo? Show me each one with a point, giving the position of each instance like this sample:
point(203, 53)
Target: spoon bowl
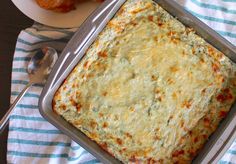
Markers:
point(38, 69)
point(41, 65)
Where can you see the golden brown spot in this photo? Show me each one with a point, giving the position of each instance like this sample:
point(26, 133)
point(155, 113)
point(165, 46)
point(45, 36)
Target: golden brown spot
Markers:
point(161, 161)
point(156, 137)
point(154, 78)
point(223, 114)
point(57, 94)
point(78, 107)
point(151, 161)
point(177, 153)
point(73, 103)
point(160, 24)
point(174, 69)
point(105, 125)
point(99, 67)
point(171, 33)
point(120, 11)
point(89, 75)
point(181, 123)
point(133, 23)
point(78, 122)
point(210, 84)
point(78, 94)
point(202, 60)
point(101, 115)
point(220, 55)
point(97, 44)
point(128, 135)
point(150, 18)
point(117, 43)
point(175, 40)
point(203, 91)
point(157, 129)
point(226, 90)
point(93, 124)
point(119, 141)
point(115, 26)
point(183, 53)
point(86, 64)
point(193, 50)
point(215, 67)
point(224, 96)
point(185, 129)
point(174, 95)
point(195, 140)
point(187, 104)
point(132, 109)
point(190, 132)
point(63, 106)
point(170, 81)
point(157, 90)
point(161, 36)
point(159, 98)
point(206, 122)
point(102, 54)
point(156, 38)
point(104, 146)
point(54, 105)
point(204, 136)
point(182, 140)
point(211, 51)
point(122, 150)
point(104, 93)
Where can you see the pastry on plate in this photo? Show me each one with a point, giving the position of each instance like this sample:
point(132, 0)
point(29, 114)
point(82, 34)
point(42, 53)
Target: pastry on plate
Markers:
point(59, 5)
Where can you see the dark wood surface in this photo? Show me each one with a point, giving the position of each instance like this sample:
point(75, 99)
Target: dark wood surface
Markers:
point(12, 21)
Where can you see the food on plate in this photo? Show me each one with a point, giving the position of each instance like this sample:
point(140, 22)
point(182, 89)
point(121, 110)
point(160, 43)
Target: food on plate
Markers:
point(148, 90)
point(59, 5)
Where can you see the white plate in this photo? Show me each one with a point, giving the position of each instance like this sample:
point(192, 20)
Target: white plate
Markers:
point(62, 20)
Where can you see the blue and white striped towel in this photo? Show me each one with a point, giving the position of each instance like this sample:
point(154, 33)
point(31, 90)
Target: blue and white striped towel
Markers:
point(32, 139)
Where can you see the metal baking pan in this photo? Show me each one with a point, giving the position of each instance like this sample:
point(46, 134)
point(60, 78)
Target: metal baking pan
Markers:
point(218, 143)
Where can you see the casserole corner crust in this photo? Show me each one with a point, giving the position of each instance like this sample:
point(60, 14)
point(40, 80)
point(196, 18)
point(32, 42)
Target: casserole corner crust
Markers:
point(149, 89)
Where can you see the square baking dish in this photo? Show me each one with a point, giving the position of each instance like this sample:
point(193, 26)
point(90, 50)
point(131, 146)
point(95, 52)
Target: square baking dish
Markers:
point(218, 143)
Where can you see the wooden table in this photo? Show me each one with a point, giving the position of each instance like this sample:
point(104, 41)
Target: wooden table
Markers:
point(12, 22)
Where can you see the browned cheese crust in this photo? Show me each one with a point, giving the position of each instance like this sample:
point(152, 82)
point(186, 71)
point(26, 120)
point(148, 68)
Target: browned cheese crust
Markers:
point(149, 90)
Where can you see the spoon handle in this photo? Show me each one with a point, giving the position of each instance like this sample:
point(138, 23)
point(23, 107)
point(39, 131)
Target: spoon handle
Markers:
point(5, 118)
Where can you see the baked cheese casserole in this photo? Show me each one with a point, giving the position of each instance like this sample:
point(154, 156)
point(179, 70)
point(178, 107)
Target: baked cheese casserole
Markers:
point(149, 90)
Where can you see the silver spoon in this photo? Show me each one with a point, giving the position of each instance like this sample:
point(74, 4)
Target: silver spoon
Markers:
point(39, 68)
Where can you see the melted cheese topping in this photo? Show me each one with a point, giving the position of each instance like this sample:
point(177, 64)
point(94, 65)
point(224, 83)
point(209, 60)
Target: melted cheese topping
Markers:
point(151, 92)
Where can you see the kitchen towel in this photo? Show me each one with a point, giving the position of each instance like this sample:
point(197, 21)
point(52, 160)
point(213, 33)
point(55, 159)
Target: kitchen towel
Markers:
point(31, 138)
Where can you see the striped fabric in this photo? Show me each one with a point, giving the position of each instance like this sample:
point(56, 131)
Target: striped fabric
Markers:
point(32, 139)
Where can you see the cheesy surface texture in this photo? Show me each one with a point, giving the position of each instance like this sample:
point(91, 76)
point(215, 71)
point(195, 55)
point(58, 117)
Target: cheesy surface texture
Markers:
point(148, 90)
